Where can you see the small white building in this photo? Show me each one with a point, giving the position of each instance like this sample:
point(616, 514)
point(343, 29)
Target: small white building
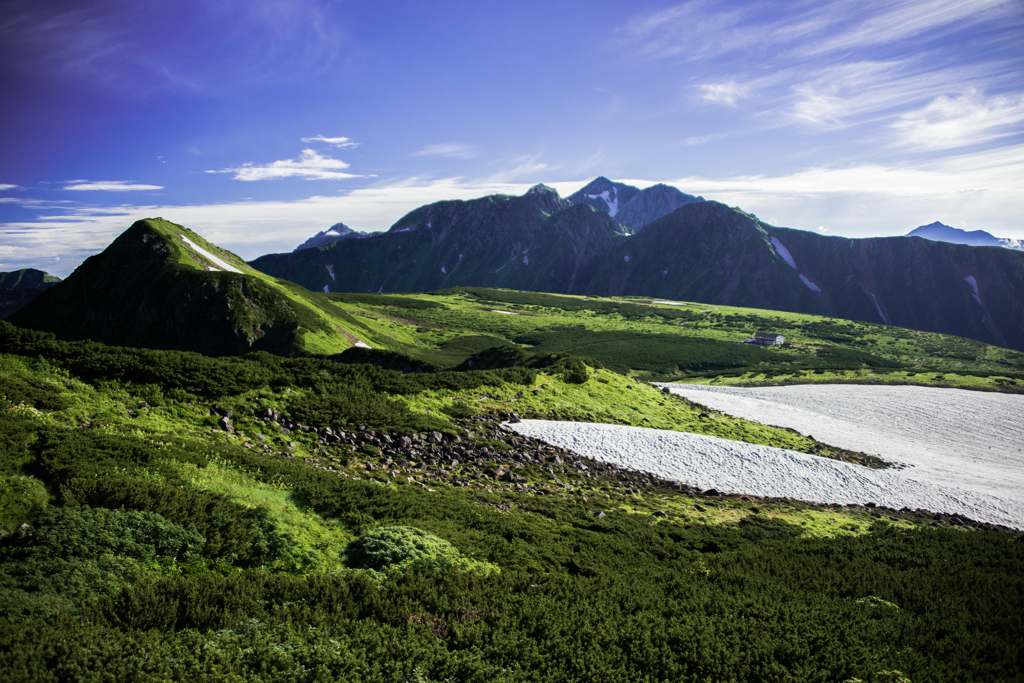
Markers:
point(766, 339)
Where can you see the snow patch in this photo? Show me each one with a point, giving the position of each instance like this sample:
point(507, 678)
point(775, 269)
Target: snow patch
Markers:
point(810, 284)
point(216, 261)
point(974, 285)
point(428, 224)
point(495, 310)
point(330, 269)
point(784, 253)
point(669, 303)
point(967, 442)
point(664, 272)
point(879, 308)
point(327, 289)
point(738, 467)
point(404, 230)
point(526, 259)
point(627, 258)
point(613, 203)
point(443, 270)
point(362, 345)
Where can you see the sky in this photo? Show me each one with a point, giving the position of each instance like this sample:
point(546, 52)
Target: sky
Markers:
point(258, 123)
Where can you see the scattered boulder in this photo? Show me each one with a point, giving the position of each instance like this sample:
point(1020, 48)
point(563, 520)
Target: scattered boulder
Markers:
point(225, 424)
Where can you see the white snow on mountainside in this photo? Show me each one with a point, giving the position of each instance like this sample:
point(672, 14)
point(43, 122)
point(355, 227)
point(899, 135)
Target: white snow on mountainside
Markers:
point(613, 203)
point(216, 261)
point(784, 253)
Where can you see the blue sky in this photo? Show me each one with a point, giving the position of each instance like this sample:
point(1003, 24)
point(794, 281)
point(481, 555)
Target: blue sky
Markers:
point(258, 123)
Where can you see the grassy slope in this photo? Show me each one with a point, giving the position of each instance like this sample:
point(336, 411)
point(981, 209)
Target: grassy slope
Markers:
point(323, 331)
point(715, 594)
point(711, 589)
point(919, 357)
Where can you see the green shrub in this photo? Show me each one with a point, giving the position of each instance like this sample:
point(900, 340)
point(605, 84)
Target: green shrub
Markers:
point(76, 554)
point(401, 548)
point(21, 498)
point(575, 372)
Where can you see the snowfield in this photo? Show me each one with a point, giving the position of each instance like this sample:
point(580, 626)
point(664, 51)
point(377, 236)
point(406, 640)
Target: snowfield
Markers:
point(964, 449)
point(216, 261)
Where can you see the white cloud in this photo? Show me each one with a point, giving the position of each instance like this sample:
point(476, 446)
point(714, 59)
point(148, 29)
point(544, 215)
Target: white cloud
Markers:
point(725, 93)
point(950, 122)
point(342, 143)
point(7, 187)
point(309, 165)
point(109, 186)
point(978, 189)
point(455, 150)
point(900, 21)
point(834, 64)
point(865, 200)
point(820, 108)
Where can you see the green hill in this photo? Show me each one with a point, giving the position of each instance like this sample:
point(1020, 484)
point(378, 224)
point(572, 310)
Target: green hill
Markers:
point(160, 285)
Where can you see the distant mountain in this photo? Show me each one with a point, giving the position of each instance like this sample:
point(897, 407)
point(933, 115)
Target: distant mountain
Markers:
point(19, 287)
point(535, 241)
point(939, 232)
point(338, 231)
point(159, 285)
point(711, 253)
point(701, 251)
point(631, 207)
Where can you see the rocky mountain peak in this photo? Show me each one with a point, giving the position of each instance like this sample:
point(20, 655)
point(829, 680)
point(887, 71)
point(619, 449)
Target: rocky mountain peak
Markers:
point(334, 233)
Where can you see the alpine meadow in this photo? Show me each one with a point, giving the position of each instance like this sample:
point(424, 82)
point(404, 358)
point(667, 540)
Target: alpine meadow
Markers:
point(327, 354)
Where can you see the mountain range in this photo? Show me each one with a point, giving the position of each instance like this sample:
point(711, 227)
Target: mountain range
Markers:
point(976, 238)
point(160, 285)
point(689, 249)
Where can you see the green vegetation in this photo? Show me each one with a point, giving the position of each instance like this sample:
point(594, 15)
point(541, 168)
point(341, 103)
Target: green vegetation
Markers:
point(173, 516)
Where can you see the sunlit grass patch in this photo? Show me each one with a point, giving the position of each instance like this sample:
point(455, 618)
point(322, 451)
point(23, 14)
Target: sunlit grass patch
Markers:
point(318, 540)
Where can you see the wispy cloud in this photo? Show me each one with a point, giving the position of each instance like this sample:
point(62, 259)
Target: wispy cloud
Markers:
point(969, 119)
point(109, 186)
point(456, 150)
point(526, 166)
point(725, 93)
point(343, 143)
point(309, 165)
point(4, 186)
point(835, 64)
point(138, 48)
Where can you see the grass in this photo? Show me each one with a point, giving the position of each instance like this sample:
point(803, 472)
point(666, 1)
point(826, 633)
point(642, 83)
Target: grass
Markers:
point(317, 542)
point(818, 349)
point(669, 585)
